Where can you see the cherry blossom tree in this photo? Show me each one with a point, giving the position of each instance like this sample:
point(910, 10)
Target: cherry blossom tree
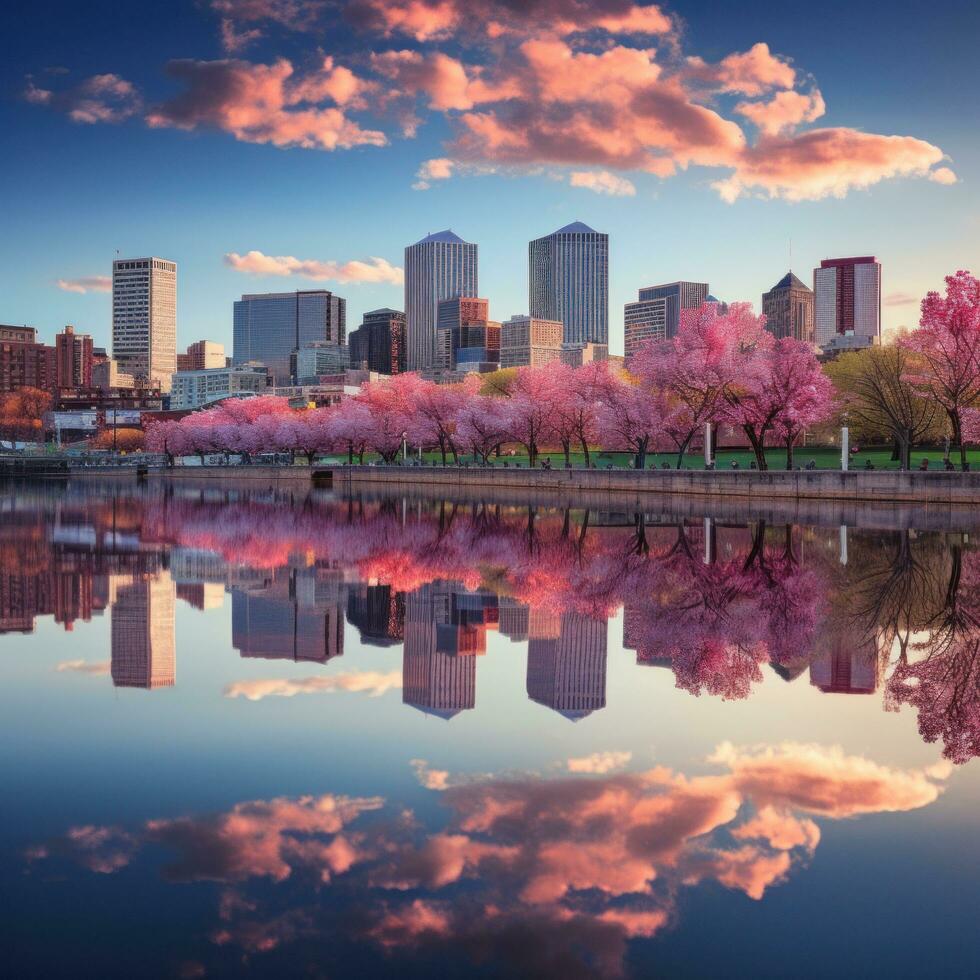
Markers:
point(389, 403)
point(481, 425)
point(528, 410)
point(780, 390)
point(630, 417)
point(946, 365)
point(694, 370)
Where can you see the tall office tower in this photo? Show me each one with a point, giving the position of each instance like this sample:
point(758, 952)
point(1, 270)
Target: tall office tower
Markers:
point(378, 344)
point(268, 327)
point(143, 651)
point(73, 359)
point(567, 672)
point(657, 313)
point(788, 309)
point(202, 355)
point(144, 318)
point(24, 362)
point(568, 280)
point(438, 267)
point(437, 683)
point(847, 302)
point(527, 341)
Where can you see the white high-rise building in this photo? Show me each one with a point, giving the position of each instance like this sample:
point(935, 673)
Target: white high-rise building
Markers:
point(438, 267)
point(568, 280)
point(847, 303)
point(144, 318)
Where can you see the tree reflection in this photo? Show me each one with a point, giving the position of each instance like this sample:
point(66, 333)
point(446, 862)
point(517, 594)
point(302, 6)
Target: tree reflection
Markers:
point(713, 603)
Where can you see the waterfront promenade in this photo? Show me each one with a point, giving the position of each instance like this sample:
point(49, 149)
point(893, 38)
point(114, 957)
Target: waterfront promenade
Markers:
point(855, 486)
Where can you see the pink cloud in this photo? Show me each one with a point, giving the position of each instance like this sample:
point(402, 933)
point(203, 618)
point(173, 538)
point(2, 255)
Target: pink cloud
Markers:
point(440, 168)
point(825, 163)
point(86, 284)
point(294, 15)
point(602, 182)
point(599, 763)
point(259, 264)
point(433, 20)
point(784, 111)
point(265, 104)
point(100, 99)
point(753, 72)
point(943, 175)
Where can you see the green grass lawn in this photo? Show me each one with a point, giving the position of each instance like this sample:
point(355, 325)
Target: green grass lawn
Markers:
point(823, 457)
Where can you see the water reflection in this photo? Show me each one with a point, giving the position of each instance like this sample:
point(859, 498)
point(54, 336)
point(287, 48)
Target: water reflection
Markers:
point(887, 613)
point(545, 876)
point(524, 844)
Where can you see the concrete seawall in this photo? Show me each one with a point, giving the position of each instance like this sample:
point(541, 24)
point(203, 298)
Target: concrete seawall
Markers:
point(876, 486)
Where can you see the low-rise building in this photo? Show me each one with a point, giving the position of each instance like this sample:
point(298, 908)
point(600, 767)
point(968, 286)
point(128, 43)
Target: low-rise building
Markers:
point(192, 389)
point(314, 360)
point(575, 355)
point(203, 355)
point(527, 341)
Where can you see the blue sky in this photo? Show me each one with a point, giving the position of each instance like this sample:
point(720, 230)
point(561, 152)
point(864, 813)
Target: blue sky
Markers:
point(74, 192)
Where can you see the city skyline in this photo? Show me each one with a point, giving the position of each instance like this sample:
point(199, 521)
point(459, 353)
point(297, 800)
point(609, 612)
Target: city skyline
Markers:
point(316, 213)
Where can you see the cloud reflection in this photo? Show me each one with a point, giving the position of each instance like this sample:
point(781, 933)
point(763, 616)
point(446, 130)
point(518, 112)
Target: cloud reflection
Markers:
point(562, 870)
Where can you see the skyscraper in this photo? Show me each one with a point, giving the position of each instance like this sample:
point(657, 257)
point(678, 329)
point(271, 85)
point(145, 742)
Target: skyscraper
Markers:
point(788, 309)
point(269, 327)
point(439, 266)
point(144, 318)
point(379, 342)
point(847, 302)
point(568, 280)
point(657, 313)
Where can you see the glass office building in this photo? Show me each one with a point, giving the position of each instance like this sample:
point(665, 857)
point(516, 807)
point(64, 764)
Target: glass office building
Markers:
point(269, 327)
point(439, 266)
point(568, 280)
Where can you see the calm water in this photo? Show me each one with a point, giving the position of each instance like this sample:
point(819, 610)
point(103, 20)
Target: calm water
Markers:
point(251, 734)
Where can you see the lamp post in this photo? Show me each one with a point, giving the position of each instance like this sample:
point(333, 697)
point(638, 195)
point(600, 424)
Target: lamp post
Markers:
point(844, 445)
point(404, 447)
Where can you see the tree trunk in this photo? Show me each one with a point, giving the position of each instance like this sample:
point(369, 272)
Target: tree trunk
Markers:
point(566, 444)
point(585, 451)
point(350, 454)
point(896, 451)
point(682, 448)
point(641, 455)
point(789, 451)
point(954, 417)
point(760, 455)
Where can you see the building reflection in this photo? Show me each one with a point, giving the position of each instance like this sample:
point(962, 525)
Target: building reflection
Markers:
point(143, 648)
point(378, 612)
point(566, 663)
point(292, 614)
point(445, 630)
point(718, 605)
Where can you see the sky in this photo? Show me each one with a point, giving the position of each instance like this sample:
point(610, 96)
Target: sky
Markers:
point(270, 145)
